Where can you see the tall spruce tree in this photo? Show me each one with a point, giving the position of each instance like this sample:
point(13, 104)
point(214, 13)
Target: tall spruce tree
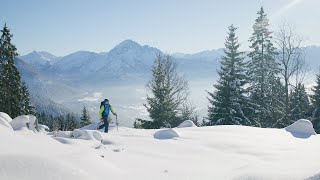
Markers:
point(85, 119)
point(263, 68)
point(315, 99)
point(169, 92)
point(228, 103)
point(10, 84)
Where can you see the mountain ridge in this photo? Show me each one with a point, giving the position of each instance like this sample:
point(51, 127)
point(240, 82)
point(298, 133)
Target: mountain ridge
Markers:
point(121, 75)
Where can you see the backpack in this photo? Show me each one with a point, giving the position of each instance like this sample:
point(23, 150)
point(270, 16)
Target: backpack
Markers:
point(106, 111)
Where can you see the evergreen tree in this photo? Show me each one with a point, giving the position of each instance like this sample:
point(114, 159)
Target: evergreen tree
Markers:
point(263, 67)
point(315, 99)
point(26, 106)
point(57, 123)
point(137, 124)
point(277, 106)
point(299, 104)
point(70, 123)
point(85, 119)
point(228, 104)
point(169, 93)
point(10, 78)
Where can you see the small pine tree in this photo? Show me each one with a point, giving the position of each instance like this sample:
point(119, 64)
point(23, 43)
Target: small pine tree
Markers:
point(85, 119)
point(137, 124)
point(26, 106)
point(57, 123)
point(277, 107)
point(299, 103)
point(70, 123)
point(169, 93)
point(227, 104)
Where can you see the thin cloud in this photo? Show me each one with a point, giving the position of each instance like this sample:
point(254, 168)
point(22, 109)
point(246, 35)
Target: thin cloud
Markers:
point(285, 8)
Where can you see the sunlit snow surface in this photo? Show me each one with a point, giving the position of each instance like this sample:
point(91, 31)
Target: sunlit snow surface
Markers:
point(220, 152)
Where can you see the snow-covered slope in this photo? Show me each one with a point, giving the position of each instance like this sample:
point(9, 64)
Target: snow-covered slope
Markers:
point(128, 59)
point(78, 63)
point(220, 152)
point(39, 59)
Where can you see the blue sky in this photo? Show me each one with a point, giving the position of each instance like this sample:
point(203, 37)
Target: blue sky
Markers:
point(65, 26)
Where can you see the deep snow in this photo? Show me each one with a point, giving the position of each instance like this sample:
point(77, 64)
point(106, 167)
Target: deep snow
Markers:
point(220, 152)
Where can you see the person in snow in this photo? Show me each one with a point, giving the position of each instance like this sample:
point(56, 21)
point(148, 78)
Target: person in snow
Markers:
point(105, 109)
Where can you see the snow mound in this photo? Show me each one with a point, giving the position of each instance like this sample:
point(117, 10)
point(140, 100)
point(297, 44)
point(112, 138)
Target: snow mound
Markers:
point(87, 134)
point(25, 122)
point(301, 127)
point(166, 134)
point(64, 134)
point(5, 116)
point(187, 123)
point(5, 123)
point(43, 128)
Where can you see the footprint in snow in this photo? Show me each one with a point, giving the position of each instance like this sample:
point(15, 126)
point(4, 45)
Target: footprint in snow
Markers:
point(118, 150)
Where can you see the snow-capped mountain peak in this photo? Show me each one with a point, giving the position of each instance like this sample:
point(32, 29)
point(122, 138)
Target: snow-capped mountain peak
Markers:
point(125, 46)
point(39, 59)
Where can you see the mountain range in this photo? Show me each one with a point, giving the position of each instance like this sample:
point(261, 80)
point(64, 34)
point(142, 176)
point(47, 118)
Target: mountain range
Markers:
point(84, 78)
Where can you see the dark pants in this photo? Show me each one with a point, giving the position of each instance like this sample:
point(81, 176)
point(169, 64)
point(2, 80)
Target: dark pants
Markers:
point(105, 124)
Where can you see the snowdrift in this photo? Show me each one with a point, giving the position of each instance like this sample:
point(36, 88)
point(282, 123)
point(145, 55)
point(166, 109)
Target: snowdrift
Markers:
point(302, 128)
point(34, 156)
point(166, 134)
point(5, 116)
point(77, 134)
point(25, 122)
point(87, 134)
point(218, 152)
point(5, 120)
point(43, 128)
point(187, 123)
point(64, 134)
point(5, 123)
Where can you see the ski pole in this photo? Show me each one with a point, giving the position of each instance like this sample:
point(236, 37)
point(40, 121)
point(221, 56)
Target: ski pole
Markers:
point(98, 124)
point(117, 122)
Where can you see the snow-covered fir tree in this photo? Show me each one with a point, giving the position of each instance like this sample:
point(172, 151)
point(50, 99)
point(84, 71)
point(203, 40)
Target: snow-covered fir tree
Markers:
point(85, 119)
point(228, 104)
point(263, 68)
point(10, 84)
point(299, 104)
point(315, 99)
